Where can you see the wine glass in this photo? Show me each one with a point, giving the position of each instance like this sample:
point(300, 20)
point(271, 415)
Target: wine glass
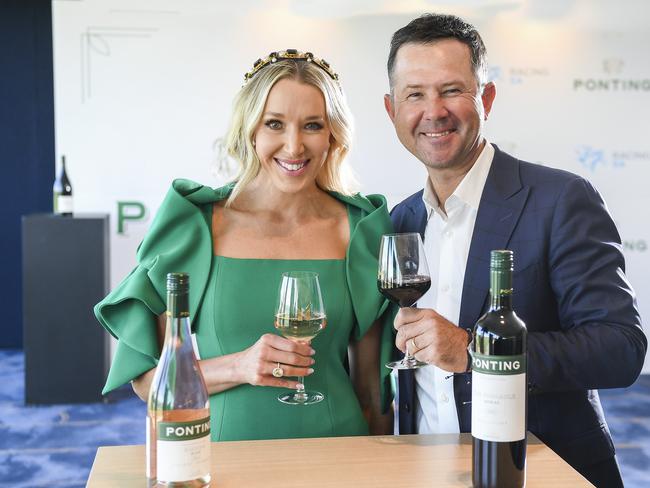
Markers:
point(299, 317)
point(403, 278)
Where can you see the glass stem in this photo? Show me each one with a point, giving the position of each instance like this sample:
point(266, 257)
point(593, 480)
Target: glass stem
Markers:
point(300, 395)
point(408, 359)
point(407, 355)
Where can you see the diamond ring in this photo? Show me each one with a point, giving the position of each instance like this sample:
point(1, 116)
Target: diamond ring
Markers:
point(278, 372)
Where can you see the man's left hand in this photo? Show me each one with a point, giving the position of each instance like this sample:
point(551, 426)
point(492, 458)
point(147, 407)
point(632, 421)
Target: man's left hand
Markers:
point(431, 338)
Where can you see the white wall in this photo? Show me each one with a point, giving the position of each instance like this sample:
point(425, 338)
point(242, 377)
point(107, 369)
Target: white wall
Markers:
point(144, 87)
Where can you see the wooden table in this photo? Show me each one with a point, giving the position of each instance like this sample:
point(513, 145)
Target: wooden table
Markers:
point(376, 461)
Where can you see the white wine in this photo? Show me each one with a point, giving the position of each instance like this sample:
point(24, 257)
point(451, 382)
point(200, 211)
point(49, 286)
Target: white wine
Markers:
point(299, 317)
point(300, 329)
point(62, 192)
point(178, 408)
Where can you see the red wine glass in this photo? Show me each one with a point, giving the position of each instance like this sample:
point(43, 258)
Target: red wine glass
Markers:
point(403, 277)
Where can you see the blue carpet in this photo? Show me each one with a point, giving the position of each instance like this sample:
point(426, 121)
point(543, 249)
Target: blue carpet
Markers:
point(54, 446)
point(628, 415)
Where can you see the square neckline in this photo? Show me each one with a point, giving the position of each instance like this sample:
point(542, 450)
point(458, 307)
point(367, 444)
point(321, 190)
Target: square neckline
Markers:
point(347, 248)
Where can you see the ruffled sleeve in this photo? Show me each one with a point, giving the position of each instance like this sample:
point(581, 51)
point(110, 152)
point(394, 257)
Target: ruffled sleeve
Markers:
point(370, 219)
point(178, 241)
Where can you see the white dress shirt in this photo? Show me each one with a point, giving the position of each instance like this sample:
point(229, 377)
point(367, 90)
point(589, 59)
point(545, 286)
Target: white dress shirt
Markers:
point(447, 238)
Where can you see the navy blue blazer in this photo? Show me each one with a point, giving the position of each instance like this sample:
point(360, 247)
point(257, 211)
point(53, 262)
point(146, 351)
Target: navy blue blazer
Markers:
point(584, 328)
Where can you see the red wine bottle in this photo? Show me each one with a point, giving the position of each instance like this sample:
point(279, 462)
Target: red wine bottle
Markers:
point(62, 190)
point(499, 393)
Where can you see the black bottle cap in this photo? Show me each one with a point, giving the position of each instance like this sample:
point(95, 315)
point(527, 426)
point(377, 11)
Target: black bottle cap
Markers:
point(501, 259)
point(178, 282)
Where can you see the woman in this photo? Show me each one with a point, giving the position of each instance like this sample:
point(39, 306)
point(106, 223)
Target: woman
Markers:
point(291, 207)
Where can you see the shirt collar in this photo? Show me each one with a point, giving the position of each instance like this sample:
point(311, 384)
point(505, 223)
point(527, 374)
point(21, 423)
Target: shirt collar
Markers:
point(469, 191)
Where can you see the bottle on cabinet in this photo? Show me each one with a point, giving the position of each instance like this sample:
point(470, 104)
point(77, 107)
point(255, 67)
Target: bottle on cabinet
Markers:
point(499, 391)
point(178, 408)
point(62, 191)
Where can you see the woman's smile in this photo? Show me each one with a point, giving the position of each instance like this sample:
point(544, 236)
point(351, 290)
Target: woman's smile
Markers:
point(294, 167)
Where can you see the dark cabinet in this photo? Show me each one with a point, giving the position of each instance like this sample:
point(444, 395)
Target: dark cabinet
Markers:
point(65, 273)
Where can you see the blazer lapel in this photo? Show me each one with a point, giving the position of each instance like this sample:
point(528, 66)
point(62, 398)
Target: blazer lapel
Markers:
point(417, 218)
point(421, 220)
point(502, 202)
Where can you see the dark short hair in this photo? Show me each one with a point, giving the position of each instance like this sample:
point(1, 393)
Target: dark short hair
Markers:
point(430, 28)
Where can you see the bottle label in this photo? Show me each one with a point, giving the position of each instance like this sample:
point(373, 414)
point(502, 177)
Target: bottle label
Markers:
point(183, 450)
point(498, 397)
point(63, 204)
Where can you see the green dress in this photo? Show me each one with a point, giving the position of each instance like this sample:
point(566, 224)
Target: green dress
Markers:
point(232, 304)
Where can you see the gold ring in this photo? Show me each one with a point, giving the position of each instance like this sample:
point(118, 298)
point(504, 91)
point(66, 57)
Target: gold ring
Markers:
point(278, 372)
point(415, 346)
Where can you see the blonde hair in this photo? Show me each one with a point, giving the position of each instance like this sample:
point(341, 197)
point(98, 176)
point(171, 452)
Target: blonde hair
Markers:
point(335, 175)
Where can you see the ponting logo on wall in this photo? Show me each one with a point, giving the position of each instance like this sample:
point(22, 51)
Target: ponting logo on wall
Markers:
point(614, 83)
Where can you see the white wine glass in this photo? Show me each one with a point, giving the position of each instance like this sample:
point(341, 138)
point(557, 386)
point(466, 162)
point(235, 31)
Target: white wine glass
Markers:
point(403, 277)
point(300, 315)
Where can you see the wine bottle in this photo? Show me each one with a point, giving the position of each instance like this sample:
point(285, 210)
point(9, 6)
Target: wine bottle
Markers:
point(62, 190)
point(178, 408)
point(499, 394)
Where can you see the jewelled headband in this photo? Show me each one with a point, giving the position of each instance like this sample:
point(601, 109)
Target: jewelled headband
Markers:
point(274, 57)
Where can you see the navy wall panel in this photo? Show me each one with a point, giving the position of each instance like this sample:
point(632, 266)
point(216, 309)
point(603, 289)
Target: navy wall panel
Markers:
point(26, 141)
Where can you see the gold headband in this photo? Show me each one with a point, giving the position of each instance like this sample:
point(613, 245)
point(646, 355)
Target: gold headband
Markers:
point(274, 57)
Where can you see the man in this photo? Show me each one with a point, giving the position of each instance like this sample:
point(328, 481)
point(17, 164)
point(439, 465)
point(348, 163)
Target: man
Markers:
point(584, 330)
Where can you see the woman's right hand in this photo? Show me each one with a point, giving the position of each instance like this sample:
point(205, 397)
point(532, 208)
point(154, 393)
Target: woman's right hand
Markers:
point(256, 364)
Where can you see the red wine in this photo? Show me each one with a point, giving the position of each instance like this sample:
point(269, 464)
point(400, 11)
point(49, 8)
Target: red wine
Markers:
point(499, 386)
point(406, 292)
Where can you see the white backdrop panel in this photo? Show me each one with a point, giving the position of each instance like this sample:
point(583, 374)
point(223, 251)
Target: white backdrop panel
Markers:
point(143, 88)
